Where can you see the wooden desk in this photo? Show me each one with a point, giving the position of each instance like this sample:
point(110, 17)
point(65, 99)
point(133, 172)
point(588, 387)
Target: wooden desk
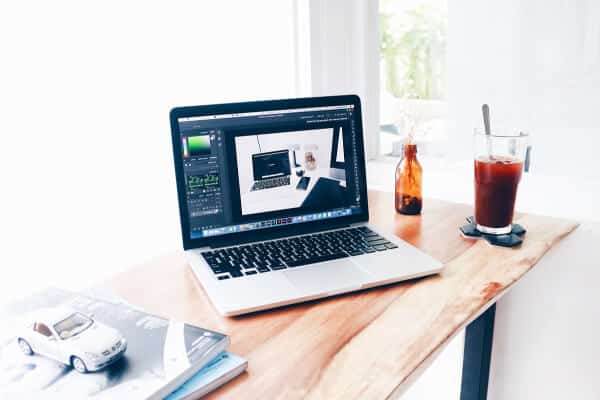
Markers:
point(364, 345)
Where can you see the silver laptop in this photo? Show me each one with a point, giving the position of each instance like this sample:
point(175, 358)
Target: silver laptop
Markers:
point(258, 249)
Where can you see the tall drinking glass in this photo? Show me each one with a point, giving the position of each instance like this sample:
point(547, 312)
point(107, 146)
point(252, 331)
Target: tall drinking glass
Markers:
point(499, 159)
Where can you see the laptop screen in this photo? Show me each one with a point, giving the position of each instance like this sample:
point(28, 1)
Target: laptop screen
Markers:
point(271, 164)
point(250, 171)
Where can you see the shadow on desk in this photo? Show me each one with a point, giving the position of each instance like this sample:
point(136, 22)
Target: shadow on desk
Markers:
point(326, 191)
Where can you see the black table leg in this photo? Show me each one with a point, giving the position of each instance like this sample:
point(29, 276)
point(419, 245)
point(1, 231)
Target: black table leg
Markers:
point(477, 356)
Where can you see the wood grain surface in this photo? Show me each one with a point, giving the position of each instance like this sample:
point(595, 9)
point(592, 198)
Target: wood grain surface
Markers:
point(364, 345)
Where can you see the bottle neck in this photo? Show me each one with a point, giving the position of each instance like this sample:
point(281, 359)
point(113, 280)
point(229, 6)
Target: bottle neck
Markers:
point(410, 151)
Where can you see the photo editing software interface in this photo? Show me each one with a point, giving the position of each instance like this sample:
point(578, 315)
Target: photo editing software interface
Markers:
point(263, 169)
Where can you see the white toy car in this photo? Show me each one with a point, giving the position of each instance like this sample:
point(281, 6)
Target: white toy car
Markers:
point(72, 338)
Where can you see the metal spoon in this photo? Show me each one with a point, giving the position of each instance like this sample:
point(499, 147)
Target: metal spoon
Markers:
point(485, 109)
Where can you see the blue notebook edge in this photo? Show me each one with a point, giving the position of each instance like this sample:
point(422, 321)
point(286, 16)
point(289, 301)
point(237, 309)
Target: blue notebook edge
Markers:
point(217, 372)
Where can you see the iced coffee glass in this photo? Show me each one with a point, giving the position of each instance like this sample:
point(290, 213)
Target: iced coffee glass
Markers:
point(499, 159)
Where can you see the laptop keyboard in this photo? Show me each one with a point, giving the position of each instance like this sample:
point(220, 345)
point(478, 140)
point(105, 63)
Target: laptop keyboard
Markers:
point(271, 183)
point(257, 258)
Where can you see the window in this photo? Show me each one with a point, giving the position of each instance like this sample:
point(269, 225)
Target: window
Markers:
point(73, 325)
point(413, 74)
point(42, 329)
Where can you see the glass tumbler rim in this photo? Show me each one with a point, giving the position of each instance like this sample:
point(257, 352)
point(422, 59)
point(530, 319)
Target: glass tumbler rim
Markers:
point(516, 135)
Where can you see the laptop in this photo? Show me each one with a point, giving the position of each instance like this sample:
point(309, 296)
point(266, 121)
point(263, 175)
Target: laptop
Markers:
point(271, 169)
point(253, 250)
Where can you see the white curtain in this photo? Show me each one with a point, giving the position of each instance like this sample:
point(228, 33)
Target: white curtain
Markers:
point(341, 55)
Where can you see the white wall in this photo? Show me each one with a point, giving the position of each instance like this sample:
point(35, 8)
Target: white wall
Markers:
point(537, 63)
point(547, 328)
point(85, 155)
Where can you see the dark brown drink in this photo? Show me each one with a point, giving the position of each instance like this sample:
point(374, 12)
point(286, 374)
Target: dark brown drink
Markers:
point(496, 181)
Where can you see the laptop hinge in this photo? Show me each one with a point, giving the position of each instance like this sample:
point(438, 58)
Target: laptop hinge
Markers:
point(358, 224)
point(200, 249)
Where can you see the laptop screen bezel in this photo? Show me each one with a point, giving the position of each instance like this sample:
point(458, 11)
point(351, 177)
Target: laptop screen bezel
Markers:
point(277, 231)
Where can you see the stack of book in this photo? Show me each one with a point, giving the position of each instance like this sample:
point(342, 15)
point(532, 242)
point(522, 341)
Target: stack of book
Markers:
point(59, 344)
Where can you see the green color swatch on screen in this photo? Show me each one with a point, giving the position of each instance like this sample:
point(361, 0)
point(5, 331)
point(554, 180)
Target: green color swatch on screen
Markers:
point(199, 145)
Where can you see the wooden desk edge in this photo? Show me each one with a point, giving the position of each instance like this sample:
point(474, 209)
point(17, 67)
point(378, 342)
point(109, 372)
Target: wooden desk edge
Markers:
point(416, 374)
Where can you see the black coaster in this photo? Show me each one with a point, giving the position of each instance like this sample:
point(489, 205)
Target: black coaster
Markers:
point(512, 239)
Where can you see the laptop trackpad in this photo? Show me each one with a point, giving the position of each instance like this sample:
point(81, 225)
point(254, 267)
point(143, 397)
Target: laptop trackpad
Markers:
point(332, 276)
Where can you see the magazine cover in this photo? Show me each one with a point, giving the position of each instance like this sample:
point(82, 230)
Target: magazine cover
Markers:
point(58, 344)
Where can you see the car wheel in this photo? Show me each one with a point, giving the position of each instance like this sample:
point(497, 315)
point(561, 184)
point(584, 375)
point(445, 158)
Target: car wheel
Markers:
point(79, 365)
point(25, 347)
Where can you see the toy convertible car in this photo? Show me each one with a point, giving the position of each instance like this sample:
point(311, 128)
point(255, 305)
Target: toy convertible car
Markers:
point(72, 338)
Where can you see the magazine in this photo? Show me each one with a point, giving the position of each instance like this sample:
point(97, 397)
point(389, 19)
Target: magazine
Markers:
point(216, 373)
point(124, 352)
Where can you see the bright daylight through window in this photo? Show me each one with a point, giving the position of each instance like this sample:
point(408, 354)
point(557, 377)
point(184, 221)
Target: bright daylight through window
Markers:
point(413, 74)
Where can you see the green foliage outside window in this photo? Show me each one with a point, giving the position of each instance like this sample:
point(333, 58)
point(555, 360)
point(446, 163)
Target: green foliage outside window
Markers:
point(413, 52)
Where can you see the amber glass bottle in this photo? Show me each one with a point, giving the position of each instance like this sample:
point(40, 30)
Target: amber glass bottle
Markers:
point(409, 178)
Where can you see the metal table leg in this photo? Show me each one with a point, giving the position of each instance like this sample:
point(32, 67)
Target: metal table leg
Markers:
point(477, 356)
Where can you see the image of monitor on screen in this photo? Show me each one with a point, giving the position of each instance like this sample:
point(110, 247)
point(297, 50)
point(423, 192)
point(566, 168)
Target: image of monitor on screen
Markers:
point(270, 179)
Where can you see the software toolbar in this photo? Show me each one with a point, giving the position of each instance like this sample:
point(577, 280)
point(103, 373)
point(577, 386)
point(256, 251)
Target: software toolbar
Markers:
point(202, 172)
point(275, 222)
